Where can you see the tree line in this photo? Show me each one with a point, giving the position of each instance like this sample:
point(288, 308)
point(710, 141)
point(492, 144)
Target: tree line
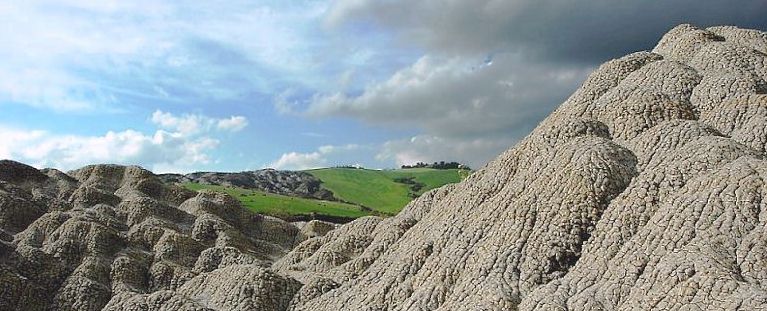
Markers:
point(441, 165)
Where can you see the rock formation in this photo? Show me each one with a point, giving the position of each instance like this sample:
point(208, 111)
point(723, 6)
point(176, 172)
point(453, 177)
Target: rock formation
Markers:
point(109, 237)
point(291, 183)
point(645, 190)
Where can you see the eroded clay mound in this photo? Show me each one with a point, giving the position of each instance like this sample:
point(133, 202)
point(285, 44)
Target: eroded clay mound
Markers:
point(117, 238)
point(644, 191)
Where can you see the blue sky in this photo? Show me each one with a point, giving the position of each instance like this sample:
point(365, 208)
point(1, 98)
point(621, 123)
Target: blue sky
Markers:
point(178, 86)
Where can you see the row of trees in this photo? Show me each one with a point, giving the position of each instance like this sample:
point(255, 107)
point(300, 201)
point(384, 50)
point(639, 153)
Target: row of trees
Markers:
point(441, 165)
point(355, 166)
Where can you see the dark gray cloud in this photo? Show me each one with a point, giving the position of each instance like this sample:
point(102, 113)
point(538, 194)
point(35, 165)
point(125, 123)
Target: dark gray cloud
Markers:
point(468, 110)
point(461, 98)
point(570, 31)
point(493, 69)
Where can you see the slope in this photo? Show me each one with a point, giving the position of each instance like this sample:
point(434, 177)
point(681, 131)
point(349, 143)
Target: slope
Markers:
point(386, 191)
point(283, 206)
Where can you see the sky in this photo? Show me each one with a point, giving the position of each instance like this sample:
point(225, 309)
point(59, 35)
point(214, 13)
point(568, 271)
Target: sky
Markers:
point(182, 86)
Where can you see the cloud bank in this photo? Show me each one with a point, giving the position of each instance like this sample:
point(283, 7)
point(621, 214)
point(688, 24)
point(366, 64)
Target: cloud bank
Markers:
point(180, 143)
point(324, 156)
point(89, 56)
point(571, 31)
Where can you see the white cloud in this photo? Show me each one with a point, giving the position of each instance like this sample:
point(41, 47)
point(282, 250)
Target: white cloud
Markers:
point(44, 149)
point(427, 148)
point(12, 138)
point(420, 148)
point(83, 55)
point(329, 149)
point(42, 88)
point(189, 124)
point(232, 124)
point(460, 97)
point(283, 104)
point(324, 156)
point(181, 143)
point(300, 161)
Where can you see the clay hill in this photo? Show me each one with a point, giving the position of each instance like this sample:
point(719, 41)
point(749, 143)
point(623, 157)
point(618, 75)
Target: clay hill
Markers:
point(645, 190)
point(290, 183)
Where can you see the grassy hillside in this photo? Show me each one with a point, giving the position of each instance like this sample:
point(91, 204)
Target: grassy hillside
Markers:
point(383, 191)
point(284, 206)
point(430, 178)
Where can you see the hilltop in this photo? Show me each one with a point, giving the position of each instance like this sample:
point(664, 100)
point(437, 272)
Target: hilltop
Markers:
point(385, 191)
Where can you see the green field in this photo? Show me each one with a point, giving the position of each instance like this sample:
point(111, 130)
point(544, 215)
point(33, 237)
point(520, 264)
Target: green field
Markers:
point(284, 206)
point(366, 192)
point(430, 178)
point(378, 189)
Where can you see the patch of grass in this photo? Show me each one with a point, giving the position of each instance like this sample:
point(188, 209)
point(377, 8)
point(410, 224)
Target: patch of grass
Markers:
point(284, 206)
point(429, 178)
point(379, 190)
point(369, 188)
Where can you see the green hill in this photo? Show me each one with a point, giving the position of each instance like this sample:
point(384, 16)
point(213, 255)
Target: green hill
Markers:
point(284, 206)
point(363, 192)
point(386, 191)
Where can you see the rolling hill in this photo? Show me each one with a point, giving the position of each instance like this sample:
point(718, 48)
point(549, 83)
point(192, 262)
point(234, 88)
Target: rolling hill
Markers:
point(286, 207)
point(347, 193)
point(386, 191)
